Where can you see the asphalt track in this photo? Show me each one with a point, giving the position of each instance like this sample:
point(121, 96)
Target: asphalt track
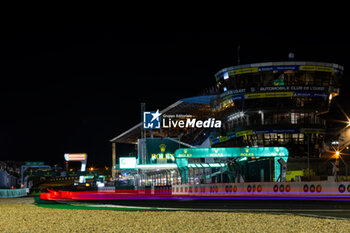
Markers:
point(330, 206)
point(313, 208)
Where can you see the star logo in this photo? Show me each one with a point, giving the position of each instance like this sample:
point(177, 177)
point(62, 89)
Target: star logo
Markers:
point(156, 116)
point(151, 120)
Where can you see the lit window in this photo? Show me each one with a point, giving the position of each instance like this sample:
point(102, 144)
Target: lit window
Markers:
point(226, 75)
point(293, 118)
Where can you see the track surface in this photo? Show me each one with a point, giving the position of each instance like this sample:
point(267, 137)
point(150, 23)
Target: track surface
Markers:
point(334, 206)
point(331, 209)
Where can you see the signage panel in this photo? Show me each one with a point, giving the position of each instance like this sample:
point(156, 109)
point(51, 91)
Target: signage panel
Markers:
point(279, 68)
point(34, 163)
point(127, 162)
point(232, 152)
point(158, 150)
point(75, 157)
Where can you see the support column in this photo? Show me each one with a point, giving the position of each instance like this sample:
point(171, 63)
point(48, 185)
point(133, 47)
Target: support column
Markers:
point(166, 178)
point(114, 158)
point(186, 175)
point(262, 117)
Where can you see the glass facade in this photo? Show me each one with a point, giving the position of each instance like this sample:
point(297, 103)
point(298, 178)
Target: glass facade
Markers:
point(275, 104)
point(286, 78)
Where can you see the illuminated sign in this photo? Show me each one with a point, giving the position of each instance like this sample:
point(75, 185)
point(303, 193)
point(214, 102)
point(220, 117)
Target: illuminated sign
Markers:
point(242, 153)
point(127, 162)
point(158, 150)
point(277, 68)
point(183, 154)
point(247, 153)
point(274, 88)
point(191, 123)
point(75, 157)
point(232, 152)
point(156, 166)
point(244, 132)
point(152, 120)
point(78, 157)
point(316, 68)
point(34, 163)
point(268, 95)
point(243, 71)
point(162, 154)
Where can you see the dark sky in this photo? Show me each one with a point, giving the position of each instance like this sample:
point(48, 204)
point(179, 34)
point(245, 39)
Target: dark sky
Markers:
point(72, 87)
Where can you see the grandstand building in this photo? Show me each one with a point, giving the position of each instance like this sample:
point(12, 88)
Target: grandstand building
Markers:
point(275, 104)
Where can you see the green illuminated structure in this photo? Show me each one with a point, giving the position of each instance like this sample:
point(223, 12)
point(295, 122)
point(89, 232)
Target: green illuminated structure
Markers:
point(182, 155)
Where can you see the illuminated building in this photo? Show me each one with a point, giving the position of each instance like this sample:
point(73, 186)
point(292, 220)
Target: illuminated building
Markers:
point(275, 104)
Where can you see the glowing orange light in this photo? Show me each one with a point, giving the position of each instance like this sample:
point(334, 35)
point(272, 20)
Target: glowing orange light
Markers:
point(337, 153)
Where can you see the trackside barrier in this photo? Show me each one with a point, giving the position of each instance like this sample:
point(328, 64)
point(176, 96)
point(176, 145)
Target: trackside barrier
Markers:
point(321, 190)
point(9, 193)
point(311, 188)
point(106, 188)
point(163, 191)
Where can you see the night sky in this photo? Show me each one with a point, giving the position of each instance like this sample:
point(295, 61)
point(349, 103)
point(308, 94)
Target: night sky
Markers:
point(73, 87)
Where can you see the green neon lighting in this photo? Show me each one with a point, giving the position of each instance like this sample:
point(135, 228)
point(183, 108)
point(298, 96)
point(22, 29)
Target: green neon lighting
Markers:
point(243, 153)
point(214, 165)
point(155, 166)
point(231, 152)
point(201, 165)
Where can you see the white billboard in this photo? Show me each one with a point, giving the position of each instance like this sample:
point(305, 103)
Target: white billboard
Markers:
point(127, 162)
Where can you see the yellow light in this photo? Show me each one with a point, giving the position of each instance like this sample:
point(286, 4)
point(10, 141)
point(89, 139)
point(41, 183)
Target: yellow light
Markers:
point(337, 153)
point(87, 184)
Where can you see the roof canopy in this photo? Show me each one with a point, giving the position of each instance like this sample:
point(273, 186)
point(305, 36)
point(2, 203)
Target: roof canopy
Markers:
point(196, 106)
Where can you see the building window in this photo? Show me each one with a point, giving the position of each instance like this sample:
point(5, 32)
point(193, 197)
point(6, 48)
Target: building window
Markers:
point(293, 118)
point(295, 137)
point(288, 138)
point(280, 138)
